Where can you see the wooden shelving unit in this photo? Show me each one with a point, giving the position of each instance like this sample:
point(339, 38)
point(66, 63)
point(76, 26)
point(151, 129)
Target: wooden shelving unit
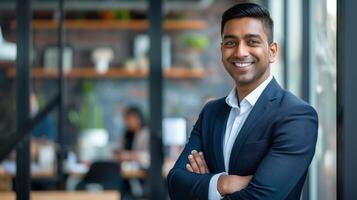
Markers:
point(114, 72)
point(6, 64)
point(185, 73)
point(119, 73)
point(169, 25)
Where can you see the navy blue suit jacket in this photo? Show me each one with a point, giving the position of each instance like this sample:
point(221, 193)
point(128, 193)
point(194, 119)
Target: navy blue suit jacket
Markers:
point(275, 145)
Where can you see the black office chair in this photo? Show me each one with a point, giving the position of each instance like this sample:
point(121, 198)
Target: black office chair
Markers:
point(104, 173)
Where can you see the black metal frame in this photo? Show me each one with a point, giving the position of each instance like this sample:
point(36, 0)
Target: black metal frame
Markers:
point(286, 47)
point(23, 66)
point(306, 60)
point(61, 89)
point(157, 184)
point(23, 87)
point(346, 100)
point(29, 125)
point(306, 75)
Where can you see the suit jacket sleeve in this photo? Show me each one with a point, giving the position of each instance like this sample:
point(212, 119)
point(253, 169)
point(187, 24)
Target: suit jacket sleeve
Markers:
point(288, 159)
point(183, 184)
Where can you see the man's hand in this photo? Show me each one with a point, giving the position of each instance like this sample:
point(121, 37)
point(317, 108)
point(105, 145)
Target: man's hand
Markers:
point(197, 163)
point(228, 184)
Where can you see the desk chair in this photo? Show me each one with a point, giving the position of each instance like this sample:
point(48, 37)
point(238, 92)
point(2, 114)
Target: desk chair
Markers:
point(104, 173)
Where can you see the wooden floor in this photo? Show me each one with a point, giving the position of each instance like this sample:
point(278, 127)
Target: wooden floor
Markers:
point(63, 195)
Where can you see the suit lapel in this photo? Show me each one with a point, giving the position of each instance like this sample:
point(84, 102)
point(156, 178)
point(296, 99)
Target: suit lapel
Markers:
point(219, 131)
point(259, 110)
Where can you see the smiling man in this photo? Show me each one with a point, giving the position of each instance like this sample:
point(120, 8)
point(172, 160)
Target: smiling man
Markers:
point(259, 140)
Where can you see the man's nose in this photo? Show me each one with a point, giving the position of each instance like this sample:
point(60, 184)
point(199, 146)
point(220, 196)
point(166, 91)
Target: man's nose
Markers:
point(241, 51)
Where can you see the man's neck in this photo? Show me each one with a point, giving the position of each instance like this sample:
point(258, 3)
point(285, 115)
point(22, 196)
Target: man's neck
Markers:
point(243, 90)
point(242, 93)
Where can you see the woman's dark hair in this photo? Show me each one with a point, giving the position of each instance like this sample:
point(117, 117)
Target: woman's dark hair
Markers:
point(135, 110)
point(128, 135)
point(250, 10)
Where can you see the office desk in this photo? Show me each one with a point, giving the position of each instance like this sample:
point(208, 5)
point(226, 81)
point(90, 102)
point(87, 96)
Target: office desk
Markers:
point(140, 173)
point(125, 173)
point(63, 195)
point(38, 173)
point(133, 174)
point(6, 178)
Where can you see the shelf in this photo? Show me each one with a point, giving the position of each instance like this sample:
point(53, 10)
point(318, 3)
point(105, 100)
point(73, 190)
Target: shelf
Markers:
point(6, 64)
point(116, 24)
point(90, 5)
point(120, 73)
point(185, 73)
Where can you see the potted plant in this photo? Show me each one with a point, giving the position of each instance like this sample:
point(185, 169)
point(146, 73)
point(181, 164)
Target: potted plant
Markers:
point(93, 136)
point(194, 45)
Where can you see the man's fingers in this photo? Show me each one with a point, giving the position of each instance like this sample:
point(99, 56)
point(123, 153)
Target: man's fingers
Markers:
point(193, 164)
point(204, 161)
point(189, 168)
point(197, 163)
point(200, 162)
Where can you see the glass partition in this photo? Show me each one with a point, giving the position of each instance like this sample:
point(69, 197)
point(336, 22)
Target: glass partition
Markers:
point(323, 97)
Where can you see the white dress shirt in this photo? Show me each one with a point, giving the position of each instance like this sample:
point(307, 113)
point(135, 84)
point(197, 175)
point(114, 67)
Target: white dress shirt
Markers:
point(236, 119)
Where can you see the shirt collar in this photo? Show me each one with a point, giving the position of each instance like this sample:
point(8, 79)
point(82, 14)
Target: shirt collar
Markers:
point(231, 99)
point(251, 98)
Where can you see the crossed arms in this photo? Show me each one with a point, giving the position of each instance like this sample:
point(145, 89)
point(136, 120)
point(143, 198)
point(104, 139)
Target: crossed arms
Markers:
point(227, 184)
point(283, 167)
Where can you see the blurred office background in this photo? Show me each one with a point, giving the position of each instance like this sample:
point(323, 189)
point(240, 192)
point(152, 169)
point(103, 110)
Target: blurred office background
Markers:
point(106, 70)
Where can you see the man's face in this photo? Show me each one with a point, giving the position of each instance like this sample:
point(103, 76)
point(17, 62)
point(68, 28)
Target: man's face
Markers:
point(246, 53)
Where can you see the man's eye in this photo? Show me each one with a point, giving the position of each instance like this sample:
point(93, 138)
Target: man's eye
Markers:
point(253, 42)
point(229, 44)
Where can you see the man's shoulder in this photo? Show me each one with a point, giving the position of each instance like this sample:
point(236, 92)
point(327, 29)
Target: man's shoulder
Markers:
point(291, 102)
point(284, 97)
point(290, 99)
point(216, 104)
point(214, 109)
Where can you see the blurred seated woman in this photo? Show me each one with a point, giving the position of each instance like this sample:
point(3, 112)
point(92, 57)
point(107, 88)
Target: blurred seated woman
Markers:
point(133, 152)
point(135, 142)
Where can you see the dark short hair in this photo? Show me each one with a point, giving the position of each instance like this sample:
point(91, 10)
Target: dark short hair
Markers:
point(250, 10)
point(132, 109)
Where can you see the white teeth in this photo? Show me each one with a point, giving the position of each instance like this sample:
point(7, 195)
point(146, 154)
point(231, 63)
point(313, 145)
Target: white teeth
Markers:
point(245, 64)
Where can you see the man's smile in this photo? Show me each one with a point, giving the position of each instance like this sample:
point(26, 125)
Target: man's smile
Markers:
point(242, 64)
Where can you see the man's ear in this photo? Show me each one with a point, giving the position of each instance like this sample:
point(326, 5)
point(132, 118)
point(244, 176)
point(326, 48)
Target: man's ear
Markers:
point(273, 49)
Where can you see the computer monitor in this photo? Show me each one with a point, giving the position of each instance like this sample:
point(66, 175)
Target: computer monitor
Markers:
point(93, 145)
point(174, 131)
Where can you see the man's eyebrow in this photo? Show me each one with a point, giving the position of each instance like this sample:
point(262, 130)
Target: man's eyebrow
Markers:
point(229, 37)
point(247, 36)
point(252, 36)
